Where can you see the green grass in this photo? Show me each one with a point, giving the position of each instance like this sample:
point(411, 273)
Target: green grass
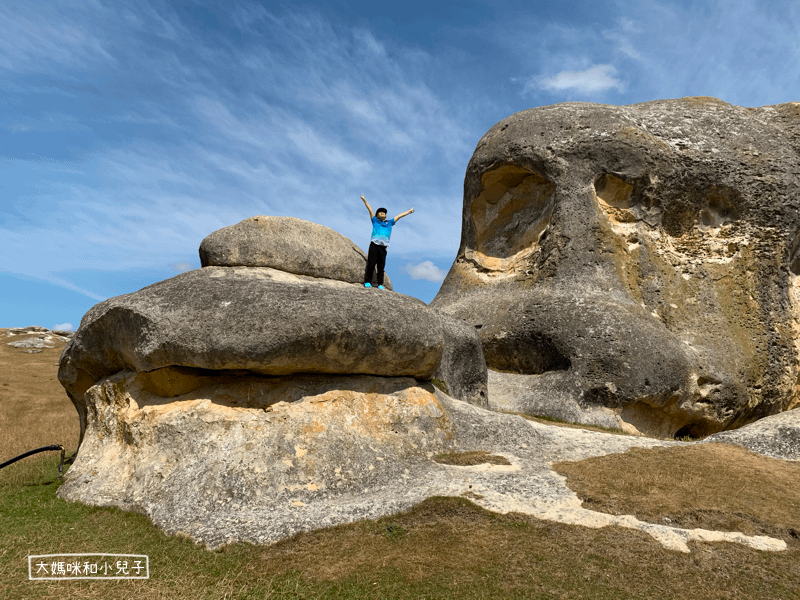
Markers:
point(35, 521)
point(442, 385)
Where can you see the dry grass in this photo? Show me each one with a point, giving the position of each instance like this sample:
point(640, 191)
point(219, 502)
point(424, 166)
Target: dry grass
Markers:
point(443, 548)
point(459, 541)
point(468, 459)
point(708, 486)
point(35, 410)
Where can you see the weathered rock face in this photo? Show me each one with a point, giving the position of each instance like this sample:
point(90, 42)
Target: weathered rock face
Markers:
point(268, 322)
point(259, 320)
point(288, 244)
point(249, 442)
point(645, 259)
point(224, 400)
point(462, 367)
point(777, 436)
point(257, 459)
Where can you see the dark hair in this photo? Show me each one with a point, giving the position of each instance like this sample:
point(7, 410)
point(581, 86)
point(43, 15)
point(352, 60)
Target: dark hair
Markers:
point(383, 210)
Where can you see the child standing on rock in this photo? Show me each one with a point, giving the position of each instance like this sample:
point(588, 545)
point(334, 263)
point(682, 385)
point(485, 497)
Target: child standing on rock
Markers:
point(381, 231)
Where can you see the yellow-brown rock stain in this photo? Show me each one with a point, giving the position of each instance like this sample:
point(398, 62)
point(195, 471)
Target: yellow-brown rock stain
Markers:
point(510, 214)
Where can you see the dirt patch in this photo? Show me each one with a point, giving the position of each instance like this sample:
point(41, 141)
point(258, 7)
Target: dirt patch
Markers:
point(469, 459)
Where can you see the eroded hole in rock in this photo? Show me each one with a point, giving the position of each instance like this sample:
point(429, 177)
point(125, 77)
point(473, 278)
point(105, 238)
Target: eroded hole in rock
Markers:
point(613, 191)
point(794, 255)
point(604, 395)
point(707, 381)
point(627, 201)
point(691, 431)
point(242, 388)
point(690, 204)
point(721, 207)
point(174, 381)
point(529, 354)
point(512, 211)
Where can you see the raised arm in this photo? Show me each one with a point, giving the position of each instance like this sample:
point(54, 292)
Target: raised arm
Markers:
point(369, 208)
point(401, 215)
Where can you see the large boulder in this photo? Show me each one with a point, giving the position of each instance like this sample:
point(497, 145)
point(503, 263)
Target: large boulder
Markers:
point(777, 436)
point(462, 368)
point(643, 262)
point(268, 322)
point(289, 244)
point(258, 459)
point(257, 448)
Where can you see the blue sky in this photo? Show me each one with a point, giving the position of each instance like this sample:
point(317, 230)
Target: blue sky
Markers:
point(130, 131)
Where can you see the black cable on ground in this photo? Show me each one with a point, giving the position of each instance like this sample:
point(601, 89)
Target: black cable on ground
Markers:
point(43, 449)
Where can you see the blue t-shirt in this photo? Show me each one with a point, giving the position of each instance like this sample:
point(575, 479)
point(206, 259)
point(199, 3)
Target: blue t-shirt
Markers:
point(381, 231)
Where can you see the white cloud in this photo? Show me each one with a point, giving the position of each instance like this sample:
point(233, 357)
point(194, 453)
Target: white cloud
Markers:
point(182, 267)
point(64, 327)
point(425, 270)
point(595, 79)
point(629, 25)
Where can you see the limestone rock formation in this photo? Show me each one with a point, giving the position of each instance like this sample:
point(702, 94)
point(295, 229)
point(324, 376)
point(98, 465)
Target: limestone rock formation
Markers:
point(256, 459)
point(462, 367)
point(270, 322)
point(26, 330)
point(37, 337)
point(248, 392)
point(255, 319)
point(248, 403)
point(246, 441)
point(288, 244)
point(777, 436)
point(639, 264)
point(35, 342)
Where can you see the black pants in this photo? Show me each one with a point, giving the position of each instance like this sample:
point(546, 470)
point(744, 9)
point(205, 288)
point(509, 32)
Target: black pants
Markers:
point(376, 256)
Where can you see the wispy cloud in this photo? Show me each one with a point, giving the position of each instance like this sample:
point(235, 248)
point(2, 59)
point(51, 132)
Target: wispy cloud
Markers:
point(44, 38)
point(181, 267)
point(622, 35)
point(191, 133)
point(635, 52)
point(62, 282)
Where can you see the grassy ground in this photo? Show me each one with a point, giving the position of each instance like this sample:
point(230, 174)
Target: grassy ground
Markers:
point(443, 548)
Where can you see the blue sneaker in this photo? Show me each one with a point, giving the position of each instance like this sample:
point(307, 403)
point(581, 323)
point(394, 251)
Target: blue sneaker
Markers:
point(380, 287)
point(367, 284)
